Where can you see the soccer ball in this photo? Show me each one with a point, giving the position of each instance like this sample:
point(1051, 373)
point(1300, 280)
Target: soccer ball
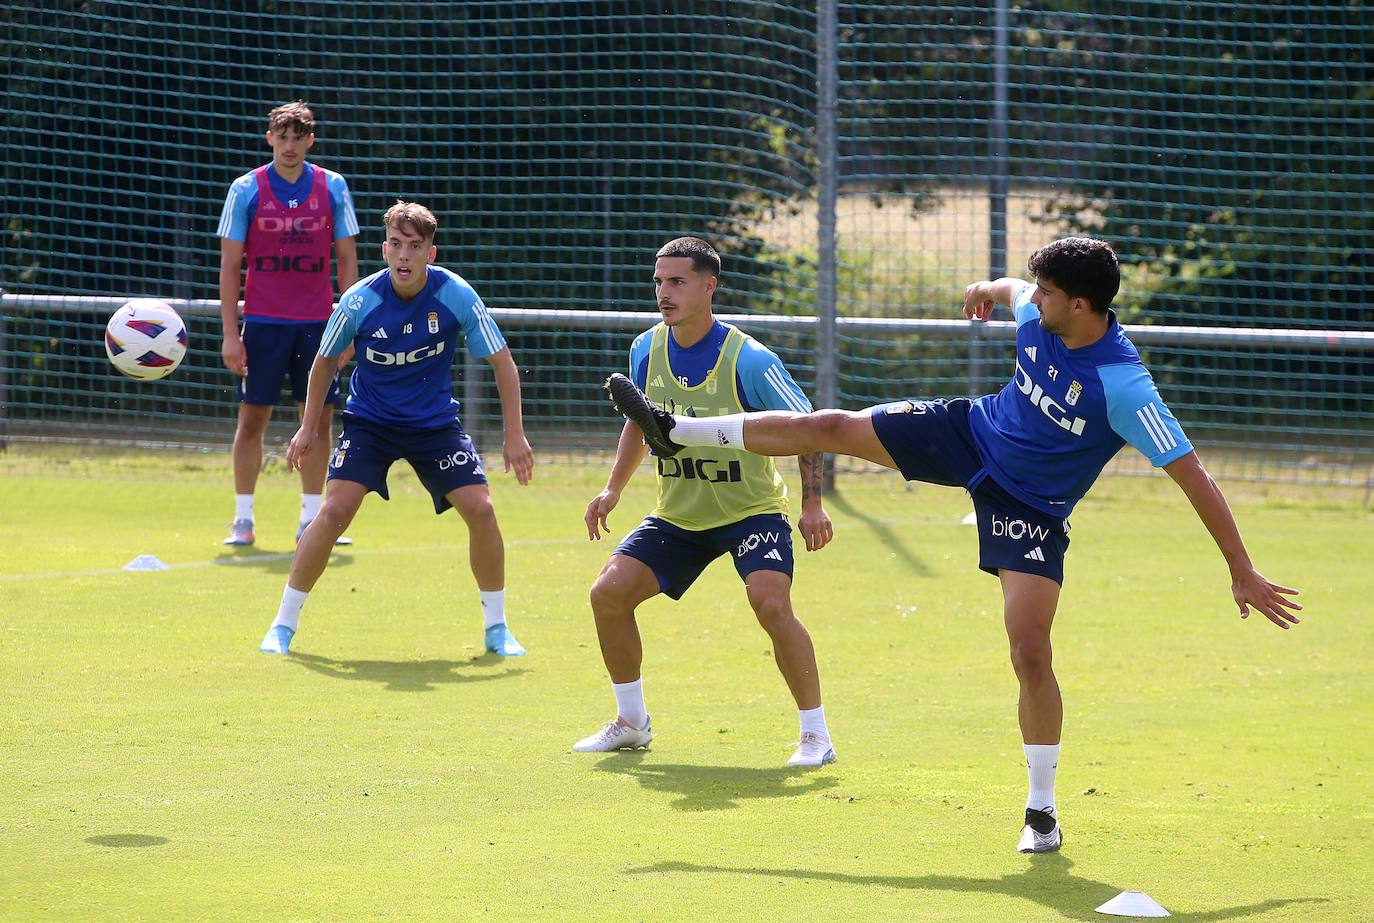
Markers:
point(145, 339)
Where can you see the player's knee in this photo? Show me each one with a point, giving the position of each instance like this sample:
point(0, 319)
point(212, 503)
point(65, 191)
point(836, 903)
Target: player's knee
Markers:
point(773, 612)
point(609, 597)
point(253, 420)
point(478, 512)
point(337, 513)
point(829, 428)
point(1031, 656)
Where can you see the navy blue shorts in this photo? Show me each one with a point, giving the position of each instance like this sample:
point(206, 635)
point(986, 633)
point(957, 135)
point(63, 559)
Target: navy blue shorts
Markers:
point(932, 441)
point(444, 458)
point(677, 556)
point(275, 351)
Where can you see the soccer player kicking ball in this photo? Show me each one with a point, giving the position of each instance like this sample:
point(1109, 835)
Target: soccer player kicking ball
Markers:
point(1026, 455)
point(405, 322)
point(711, 501)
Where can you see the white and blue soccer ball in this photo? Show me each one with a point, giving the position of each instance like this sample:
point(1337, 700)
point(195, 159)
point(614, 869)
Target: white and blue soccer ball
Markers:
point(146, 339)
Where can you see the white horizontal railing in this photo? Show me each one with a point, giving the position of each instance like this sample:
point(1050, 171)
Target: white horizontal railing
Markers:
point(1311, 340)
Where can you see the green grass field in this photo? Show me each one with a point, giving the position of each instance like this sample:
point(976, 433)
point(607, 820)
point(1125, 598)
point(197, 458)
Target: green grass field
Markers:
point(156, 766)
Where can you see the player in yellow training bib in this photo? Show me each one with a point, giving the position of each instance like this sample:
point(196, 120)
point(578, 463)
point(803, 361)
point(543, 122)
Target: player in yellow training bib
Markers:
point(711, 501)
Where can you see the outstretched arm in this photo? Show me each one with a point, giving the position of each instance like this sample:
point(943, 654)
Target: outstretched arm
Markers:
point(815, 525)
point(1248, 586)
point(980, 297)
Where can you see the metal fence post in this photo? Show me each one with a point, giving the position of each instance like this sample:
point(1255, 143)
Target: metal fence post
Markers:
point(997, 182)
point(827, 379)
point(4, 379)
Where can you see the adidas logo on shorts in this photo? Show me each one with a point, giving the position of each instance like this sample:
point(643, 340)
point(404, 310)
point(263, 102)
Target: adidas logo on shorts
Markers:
point(1035, 554)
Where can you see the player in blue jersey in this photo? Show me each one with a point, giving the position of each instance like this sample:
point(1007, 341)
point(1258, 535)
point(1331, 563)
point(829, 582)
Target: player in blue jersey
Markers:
point(285, 217)
point(404, 323)
point(711, 501)
point(1026, 455)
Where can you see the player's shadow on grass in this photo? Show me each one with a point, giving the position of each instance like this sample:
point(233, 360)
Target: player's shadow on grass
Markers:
point(127, 840)
point(272, 562)
point(405, 675)
point(715, 788)
point(883, 532)
point(1045, 880)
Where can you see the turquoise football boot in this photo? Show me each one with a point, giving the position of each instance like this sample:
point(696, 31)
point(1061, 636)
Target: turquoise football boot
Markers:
point(277, 640)
point(500, 641)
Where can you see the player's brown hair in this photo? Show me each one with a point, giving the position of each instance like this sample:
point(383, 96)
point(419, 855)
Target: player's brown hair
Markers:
point(295, 117)
point(411, 216)
point(703, 256)
point(1082, 267)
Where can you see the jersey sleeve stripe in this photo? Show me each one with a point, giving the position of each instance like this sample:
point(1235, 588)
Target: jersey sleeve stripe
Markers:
point(226, 217)
point(491, 336)
point(1149, 428)
point(333, 331)
point(774, 377)
point(1157, 436)
point(1154, 413)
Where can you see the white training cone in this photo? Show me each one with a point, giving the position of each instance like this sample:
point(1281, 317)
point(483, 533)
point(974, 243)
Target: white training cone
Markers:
point(970, 520)
point(146, 562)
point(1133, 904)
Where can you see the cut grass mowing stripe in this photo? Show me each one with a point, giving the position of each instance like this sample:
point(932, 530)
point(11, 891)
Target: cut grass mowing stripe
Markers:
point(263, 558)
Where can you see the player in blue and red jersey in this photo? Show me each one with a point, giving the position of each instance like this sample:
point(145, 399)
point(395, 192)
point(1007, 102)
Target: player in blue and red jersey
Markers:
point(287, 217)
point(405, 323)
point(1026, 455)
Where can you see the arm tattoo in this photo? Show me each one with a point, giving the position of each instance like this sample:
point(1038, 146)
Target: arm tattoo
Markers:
point(812, 467)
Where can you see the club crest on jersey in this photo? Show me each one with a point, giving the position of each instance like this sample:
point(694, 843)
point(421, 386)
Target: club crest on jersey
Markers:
point(1075, 392)
point(1047, 405)
point(712, 384)
point(433, 322)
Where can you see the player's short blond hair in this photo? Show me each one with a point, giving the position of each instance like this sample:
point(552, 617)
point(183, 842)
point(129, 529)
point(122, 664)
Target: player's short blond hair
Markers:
point(411, 216)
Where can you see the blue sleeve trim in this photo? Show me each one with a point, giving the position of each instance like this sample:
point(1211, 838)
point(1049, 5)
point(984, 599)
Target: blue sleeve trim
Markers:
point(342, 327)
point(341, 199)
point(239, 206)
point(765, 381)
point(1139, 415)
point(479, 328)
point(639, 359)
point(1021, 307)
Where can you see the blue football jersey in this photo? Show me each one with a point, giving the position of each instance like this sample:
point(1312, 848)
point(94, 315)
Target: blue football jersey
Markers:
point(763, 381)
point(1048, 434)
point(405, 349)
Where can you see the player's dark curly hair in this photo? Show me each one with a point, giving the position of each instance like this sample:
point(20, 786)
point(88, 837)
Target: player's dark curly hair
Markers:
point(703, 256)
point(1082, 267)
point(295, 117)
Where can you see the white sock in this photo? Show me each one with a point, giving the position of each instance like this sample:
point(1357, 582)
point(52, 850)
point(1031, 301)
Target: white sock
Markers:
point(290, 612)
point(1042, 760)
point(629, 702)
point(813, 720)
point(709, 431)
point(310, 508)
point(493, 607)
point(243, 506)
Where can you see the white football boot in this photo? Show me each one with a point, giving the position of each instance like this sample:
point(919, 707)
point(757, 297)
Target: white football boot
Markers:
point(812, 750)
point(616, 735)
point(1032, 840)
